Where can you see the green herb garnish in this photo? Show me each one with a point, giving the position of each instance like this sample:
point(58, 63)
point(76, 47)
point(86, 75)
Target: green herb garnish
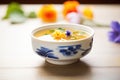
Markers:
point(61, 29)
point(51, 31)
point(46, 34)
point(75, 32)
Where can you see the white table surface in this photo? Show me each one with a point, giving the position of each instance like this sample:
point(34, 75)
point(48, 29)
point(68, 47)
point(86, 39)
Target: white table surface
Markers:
point(19, 62)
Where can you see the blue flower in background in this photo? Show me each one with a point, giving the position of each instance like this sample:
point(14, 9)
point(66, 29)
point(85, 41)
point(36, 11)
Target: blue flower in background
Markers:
point(115, 26)
point(45, 52)
point(114, 35)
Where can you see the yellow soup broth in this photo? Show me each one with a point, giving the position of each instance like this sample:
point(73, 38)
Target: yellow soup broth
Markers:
point(61, 34)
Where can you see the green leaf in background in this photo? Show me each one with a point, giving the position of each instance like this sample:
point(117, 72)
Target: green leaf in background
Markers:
point(13, 7)
point(32, 15)
point(16, 18)
point(15, 13)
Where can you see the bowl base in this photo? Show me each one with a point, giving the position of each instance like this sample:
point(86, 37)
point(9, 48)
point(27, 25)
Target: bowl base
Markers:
point(62, 62)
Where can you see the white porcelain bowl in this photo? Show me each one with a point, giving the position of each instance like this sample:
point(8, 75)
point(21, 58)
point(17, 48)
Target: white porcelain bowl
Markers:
point(62, 53)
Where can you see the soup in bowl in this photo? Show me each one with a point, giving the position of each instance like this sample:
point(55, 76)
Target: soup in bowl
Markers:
point(62, 43)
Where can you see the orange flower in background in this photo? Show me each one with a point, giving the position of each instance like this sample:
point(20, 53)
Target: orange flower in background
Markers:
point(47, 13)
point(70, 6)
point(88, 13)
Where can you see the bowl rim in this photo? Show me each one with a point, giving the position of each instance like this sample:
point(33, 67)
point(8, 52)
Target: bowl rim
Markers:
point(50, 24)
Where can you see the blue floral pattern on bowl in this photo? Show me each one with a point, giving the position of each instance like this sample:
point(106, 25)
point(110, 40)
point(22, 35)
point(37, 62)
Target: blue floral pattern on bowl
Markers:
point(69, 50)
point(73, 49)
point(87, 50)
point(45, 52)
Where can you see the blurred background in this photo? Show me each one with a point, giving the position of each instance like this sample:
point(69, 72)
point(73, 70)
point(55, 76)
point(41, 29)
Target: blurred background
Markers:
point(61, 1)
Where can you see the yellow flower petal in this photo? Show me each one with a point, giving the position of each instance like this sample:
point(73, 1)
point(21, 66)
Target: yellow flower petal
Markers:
point(58, 35)
point(88, 13)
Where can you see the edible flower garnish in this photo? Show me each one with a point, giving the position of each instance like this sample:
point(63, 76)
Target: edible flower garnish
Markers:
point(57, 34)
point(68, 33)
point(61, 33)
point(114, 34)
